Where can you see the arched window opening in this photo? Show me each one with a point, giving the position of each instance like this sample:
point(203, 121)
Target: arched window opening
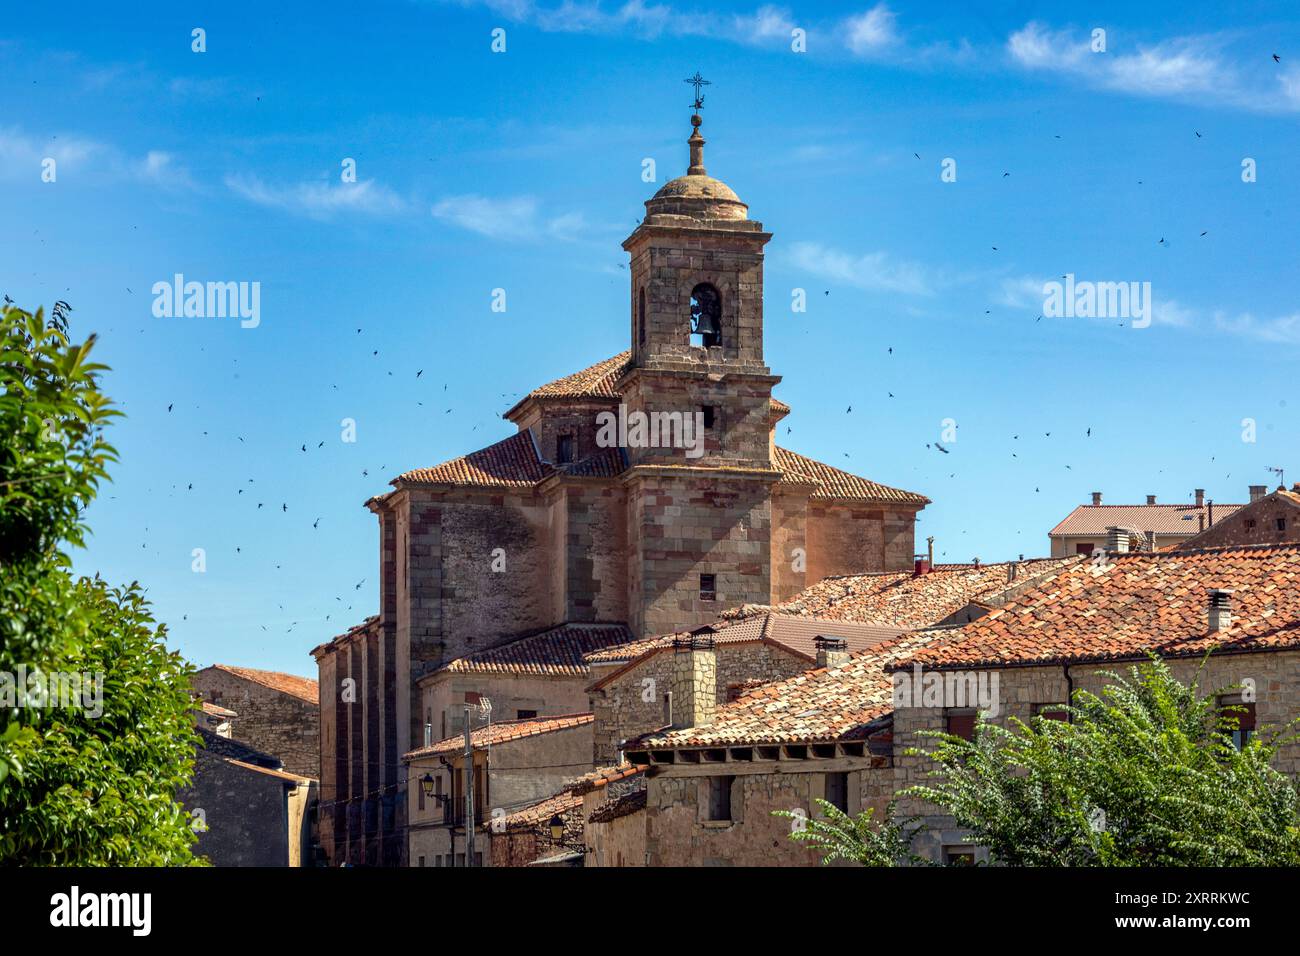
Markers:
point(640, 312)
point(706, 316)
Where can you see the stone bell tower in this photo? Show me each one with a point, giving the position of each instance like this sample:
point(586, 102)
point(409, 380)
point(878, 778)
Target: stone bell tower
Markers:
point(699, 525)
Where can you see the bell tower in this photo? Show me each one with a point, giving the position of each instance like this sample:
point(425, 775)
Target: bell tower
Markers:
point(699, 520)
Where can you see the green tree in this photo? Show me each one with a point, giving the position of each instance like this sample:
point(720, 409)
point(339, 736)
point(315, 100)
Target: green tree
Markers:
point(92, 784)
point(839, 836)
point(1143, 774)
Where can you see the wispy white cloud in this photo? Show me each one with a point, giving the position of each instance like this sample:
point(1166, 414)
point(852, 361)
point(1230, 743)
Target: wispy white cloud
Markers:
point(319, 199)
point(871, 32)
point(1188, 67)
point(1283, 330)
point(873, 271)
point(23, 156)
point(512, 219)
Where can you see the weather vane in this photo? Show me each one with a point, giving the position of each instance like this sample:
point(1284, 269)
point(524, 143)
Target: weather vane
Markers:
point(698, 81)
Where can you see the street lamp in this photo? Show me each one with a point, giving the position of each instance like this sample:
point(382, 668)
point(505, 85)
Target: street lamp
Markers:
point(557, 828)
point(426, 782)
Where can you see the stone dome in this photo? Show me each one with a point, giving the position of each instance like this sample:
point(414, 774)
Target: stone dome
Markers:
point(697, 195)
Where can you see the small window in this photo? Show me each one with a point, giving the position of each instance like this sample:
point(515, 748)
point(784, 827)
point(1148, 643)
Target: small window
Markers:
point(1051, 711)
point(720, 797)
point(419, 799)
point(564, 449)
point(1250, 524)
point(707, 411)
point(958, 856)
point(708, 587)
point(837, 791)
point(1281, 524)
point(525, 714)
point(437, 860)
point(421, 861)
point(1241, 714)
point(961, 723)
point(1086, 547)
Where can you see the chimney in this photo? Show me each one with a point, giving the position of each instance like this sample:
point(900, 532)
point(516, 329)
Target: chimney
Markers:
point(921, 566)
point(1200, 497)
point(1151, 499)
point(831, 651)
point(695, 680)
point(929, 549)
point(1220, 610)
point(1117, 539)
point(1013, 568)
point(1257, 492)
point(1210, 517)
point(1096, 498)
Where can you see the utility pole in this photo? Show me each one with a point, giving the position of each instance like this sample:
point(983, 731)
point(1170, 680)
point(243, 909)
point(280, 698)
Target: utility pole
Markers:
point(469, 791)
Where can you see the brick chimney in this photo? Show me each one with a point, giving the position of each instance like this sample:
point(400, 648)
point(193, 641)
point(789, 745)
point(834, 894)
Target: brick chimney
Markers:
point(1013, 569)
point(695, 680)
point(1151, 499)
point(831, 651)
point(1220, 609)
point(1096, 498)
point(1117, 539)
point(1257, 492)
point(1200, 497)
point(921, 566)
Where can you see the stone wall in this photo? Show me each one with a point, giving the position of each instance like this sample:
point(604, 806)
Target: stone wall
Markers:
point(444, 697)
point(247, 814)
point(678, 831)
point(632, 703)
point(268, 720)
point(1255, 524)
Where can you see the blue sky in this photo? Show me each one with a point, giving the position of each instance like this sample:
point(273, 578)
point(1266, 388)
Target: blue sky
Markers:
point(522, 170)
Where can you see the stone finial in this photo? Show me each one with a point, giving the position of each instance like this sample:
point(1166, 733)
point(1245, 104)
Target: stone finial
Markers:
point(696, 142)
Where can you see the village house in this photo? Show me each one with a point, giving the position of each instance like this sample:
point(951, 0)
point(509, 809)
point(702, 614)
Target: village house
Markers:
point(1157, 526)
point(1241, 605)
point(515, 764)
point(555, 525)
point(278, 713)
point(1268, 519)
point(245, 807)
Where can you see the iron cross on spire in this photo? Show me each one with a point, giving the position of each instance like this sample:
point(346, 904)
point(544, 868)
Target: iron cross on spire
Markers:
point(698, 81)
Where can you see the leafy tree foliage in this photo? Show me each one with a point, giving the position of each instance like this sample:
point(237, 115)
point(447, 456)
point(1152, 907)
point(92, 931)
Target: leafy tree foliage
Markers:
point(77, 786)
point(839, 836)
point(1144, 774)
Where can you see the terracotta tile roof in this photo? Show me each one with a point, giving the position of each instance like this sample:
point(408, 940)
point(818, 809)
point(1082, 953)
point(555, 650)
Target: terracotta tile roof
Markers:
point(622, 653)
point(1139, 602)
point(835, 484)
point(502, 731)
point(539, 814)
point(625, 805)
point(1162, 519)
point(217, 711)
point(906, 600)
point(512, 463)
point(791, 632)
point(602, 777)
point(834, 704)
point(304, 688)
point(557, 652)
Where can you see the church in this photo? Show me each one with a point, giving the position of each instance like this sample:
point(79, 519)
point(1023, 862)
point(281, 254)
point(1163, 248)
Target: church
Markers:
point(558, 525)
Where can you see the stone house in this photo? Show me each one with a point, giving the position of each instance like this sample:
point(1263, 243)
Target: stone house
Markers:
point(249, 810)
point(715, 777)
point(1241, 605)
point(535, 676)
point(633, 697)
point(1083, 530)
point(278, 713)
point(687, 507)
point(1269, 518)
point(516, 764)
